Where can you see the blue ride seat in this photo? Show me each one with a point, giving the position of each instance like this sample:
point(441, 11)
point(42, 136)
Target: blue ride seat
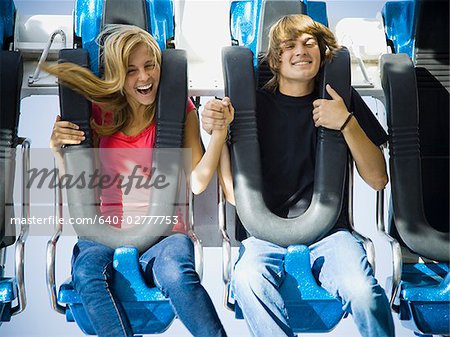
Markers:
point(148, 310)
point(417, 87)
point(8, 293)
point(310, 307)
point(421, 284)
point(303, 295)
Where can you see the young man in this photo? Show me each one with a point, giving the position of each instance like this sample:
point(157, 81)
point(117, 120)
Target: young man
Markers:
point(288, 112)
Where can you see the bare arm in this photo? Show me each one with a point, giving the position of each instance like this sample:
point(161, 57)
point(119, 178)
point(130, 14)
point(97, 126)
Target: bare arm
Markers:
point(225, 175)
point(368, 157)
point(205, 165)
point(214, 119)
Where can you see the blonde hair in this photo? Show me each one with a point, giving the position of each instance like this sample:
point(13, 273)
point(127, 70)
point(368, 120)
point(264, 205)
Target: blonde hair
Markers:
point(119, 41)
point(290, 27)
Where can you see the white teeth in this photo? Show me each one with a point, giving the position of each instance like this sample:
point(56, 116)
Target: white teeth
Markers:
point(302, 62)
point(145, 87)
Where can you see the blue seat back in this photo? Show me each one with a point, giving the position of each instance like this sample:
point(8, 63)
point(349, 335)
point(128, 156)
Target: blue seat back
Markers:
point(251, 20)
point(89, 19)
point(399, 20)
point(7, 17)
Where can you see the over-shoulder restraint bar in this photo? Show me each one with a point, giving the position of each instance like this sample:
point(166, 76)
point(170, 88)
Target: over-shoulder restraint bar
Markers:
point(398, 79)
point(331, 156)
point(11, 73)
point(171, 112)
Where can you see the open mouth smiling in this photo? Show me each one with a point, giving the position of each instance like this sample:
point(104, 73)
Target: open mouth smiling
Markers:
point(301, 63)
point(144, 89)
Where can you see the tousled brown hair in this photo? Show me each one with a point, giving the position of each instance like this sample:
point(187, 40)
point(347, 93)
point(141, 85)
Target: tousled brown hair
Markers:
point(290, 27)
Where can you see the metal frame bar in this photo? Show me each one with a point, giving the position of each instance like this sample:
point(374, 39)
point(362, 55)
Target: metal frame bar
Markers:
point(35, 77)
point(395, 249)
point(367, 83)
point(198, 247)
point(24, 230)
point(2, 260)
point(51, 249)
point(226, 248)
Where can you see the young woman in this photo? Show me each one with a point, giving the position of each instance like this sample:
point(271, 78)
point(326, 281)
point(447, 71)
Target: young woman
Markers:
point(288, 111)
point(124, 117)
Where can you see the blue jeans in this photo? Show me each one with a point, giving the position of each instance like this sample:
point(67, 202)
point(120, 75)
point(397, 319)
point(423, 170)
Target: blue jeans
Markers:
point(339, 263)
point(169, 265)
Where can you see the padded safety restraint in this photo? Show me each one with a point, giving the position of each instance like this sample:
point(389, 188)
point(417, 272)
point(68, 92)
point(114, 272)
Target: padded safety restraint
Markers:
point(11, 72)
point(331, 156)
point(171, 111)
point(398, 79)
point(433, 89)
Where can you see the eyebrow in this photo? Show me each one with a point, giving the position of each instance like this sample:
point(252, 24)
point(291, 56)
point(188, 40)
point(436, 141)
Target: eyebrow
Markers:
point(287, 41)
point(307, 39)
point(146, 62)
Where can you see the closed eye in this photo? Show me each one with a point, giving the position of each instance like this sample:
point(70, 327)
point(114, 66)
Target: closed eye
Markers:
point(288, 45)
point(310, 43)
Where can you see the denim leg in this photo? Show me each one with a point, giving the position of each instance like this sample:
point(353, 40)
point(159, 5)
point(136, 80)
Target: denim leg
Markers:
point(91, 274)
point(258, 275)
point(170, 266)
point(339, 262)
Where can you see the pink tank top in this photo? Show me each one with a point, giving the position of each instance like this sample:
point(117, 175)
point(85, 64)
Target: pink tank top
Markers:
point(122, 204)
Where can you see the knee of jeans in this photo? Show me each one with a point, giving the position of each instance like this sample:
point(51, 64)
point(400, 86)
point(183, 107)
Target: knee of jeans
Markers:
point(83, 275)
point(249, 278)
point(179, 246)
point(175, 276)
point(177, 253)
point(175, 267)
point(92, 264)
point(362, 294)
